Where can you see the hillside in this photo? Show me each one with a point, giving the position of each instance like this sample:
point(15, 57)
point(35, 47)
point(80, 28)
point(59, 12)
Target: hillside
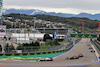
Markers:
point(36, 12)
point(69, 22)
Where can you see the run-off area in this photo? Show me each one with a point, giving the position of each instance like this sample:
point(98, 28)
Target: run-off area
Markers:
point(29, 57)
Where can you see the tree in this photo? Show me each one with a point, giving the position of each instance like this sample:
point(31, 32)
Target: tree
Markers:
point(36, 43)
point(47, 36)
point(32, 44)
point(26, 44)
point(28, 31)
point(11, 47)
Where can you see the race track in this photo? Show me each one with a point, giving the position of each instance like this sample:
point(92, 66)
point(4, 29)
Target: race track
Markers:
point(89, 59)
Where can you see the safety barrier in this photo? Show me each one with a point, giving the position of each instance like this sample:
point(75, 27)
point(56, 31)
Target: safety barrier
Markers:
point(95, 46)
point(99, 59)
point(96, 49)
point(38, 53)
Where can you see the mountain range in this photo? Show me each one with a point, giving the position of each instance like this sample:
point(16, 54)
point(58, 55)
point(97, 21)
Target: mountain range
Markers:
point(36, 11)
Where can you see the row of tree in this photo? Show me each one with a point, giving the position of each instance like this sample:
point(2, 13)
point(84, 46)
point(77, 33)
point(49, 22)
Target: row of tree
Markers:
point(31, 44)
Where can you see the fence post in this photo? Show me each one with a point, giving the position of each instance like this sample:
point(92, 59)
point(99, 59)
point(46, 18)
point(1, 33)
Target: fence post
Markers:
point(8, 50)
point(31, 48)
point(24, 49)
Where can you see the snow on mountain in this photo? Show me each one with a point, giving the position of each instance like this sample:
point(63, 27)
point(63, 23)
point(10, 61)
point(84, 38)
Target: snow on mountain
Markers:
point(4, 10)
point(36, 11)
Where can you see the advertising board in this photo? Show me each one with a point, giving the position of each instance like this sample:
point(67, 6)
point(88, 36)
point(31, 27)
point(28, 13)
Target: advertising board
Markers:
point(84, 35)
point(2, 30)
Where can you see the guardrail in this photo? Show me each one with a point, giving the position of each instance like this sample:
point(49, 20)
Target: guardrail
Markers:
point(96, 46)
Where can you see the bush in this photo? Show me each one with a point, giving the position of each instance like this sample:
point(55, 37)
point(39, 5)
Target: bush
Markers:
point(36, 44)
point(31, 44)
point(60, 40)
point(19, 48)
point(26, 44)
point(49, 43)
point(56, 42)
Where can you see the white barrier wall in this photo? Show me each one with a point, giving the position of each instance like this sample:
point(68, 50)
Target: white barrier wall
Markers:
point(31, 35)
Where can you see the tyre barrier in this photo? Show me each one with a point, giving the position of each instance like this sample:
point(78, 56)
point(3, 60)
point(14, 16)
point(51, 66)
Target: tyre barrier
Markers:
point(38, 53)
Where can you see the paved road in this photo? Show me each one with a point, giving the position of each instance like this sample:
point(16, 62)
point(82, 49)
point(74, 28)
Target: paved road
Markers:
point(89, 59)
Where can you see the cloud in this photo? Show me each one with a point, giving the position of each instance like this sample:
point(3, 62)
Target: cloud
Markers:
point(64, 6)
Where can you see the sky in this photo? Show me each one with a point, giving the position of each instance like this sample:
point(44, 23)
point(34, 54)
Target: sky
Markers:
point(58, 6)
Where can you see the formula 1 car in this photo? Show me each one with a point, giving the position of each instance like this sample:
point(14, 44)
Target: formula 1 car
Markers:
point(88, 45)
point(92, 51)
point(46, 59)
point(90, 48)
point(80, 55)
point(73, 57)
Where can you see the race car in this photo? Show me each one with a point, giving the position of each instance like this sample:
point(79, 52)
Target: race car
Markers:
point(88, 45)
point(80, 55)
point(90, 48)
point(92, 51)
point(73, 57)
point(46, 59)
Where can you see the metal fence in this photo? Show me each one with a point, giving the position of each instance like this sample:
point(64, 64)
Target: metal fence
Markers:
point(41, 48)
point(97, 45)
point(32, 49)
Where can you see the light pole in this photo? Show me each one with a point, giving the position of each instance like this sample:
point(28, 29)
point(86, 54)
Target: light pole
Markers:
point(34, 18)
point(12, 25)
point(15, 23)
point(25, 31)
point(15, 26)
point(19, 32)
point(44, 29)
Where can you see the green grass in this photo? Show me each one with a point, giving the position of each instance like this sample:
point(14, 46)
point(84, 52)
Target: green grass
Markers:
point(30, 57)
point(33, 57)
point(45, 47)
point(60, 43)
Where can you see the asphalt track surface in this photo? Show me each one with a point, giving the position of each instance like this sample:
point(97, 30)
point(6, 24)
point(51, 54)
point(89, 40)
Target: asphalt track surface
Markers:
point(89, 59)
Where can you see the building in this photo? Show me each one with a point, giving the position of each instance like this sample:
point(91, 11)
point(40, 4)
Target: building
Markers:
point(27, 38)
point(62, 31)
point(1, 12)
